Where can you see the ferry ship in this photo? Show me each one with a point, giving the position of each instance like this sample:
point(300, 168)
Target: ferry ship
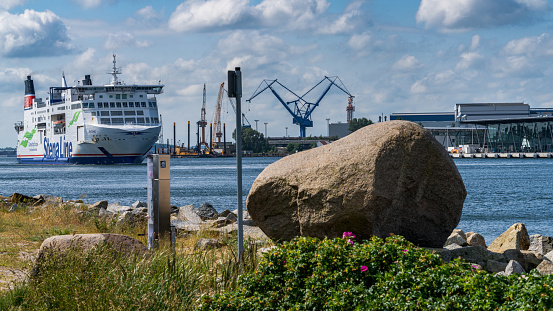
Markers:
point(89, 124)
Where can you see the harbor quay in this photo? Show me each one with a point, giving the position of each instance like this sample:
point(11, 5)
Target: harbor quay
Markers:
point(502, 155)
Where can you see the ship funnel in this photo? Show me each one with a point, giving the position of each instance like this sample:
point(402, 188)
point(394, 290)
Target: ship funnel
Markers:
point(87, 80)
point(63, 82)
point(29, 93)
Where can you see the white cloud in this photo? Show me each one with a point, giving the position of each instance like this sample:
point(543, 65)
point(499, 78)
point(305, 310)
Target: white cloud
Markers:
point(475, 42)
point(407, 63)
point(33, 34)
point(119, 40)
point(214, 15)
point(469, 60)
point(9, 4)
point(524, 45)
point(462, 15)
point(88, 4)
point(359, 41)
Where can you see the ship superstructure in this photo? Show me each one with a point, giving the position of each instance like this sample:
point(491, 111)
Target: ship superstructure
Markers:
point(89, 124)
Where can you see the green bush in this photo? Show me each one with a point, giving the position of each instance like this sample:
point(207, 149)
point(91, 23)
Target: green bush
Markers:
point(339, 274)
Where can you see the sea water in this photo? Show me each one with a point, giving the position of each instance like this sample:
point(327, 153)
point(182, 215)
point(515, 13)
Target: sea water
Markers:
point(500, 192)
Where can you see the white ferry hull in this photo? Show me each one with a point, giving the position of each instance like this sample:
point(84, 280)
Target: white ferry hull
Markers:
point(126, 144)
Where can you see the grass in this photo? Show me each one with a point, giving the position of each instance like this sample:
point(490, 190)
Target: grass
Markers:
point(103, 280)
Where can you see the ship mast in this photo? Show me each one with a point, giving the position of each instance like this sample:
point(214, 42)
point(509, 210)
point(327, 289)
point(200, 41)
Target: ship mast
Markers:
point(115, 71)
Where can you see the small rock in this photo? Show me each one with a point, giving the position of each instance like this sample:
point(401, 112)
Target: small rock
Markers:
point(456, 238)
point(138, 204)
point(545, 267)
point(117, 208)
point(187, 213)
point(224, 213)
point(459, 232)
point(516, 237)
point(245, 214)
point(474, 238)
point(452, 246)
point(265, 250)
point(13, 208)
point(207, 211)
point(96, 207)
point(204, 244)
point(50, 199)
point(219, 222)
point(514, 267)
point(540, 244)
point(231, 218)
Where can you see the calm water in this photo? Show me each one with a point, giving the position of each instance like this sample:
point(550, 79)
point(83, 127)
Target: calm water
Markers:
point(500, 191)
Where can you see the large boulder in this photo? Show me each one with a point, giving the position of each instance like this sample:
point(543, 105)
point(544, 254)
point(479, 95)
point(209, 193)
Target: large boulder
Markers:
point(516, 237)
point(390, 177)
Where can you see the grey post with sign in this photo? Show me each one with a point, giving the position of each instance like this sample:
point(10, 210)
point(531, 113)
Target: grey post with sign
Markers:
point(235, 90)
point(159, 198)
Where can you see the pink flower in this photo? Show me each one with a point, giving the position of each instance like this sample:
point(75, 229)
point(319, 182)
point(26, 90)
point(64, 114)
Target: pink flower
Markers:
point(364, 268)
point(348, 235)
point(350, 242)
point(405, 250)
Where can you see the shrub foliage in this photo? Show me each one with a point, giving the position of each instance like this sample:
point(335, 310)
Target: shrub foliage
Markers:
point(392, 274)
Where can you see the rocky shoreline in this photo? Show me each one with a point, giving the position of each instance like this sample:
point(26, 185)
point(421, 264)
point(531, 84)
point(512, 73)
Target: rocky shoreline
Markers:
point(514, 251)
point(184, 219)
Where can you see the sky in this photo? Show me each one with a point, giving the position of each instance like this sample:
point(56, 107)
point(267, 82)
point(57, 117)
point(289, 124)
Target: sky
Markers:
point(392, 55)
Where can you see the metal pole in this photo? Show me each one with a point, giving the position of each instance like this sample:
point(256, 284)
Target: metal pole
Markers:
point(235, 90)
point(256, 124)
point(188, 136)
point(210, 138)
point(265, 129)
point(174, 138)
point(328, 127)
point(224, 139)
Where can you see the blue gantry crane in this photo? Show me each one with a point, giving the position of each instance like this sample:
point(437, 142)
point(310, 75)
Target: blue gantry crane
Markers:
point(300, 109)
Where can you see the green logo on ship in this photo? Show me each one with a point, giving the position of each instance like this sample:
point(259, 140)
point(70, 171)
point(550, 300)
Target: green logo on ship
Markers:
point(28, 136)
point(75, 118)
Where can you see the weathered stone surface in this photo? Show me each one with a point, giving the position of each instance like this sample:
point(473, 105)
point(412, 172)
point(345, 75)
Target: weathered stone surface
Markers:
point(207, 211)
point(14, 207)
point(495, 266)
point(187, 213)
point(456, 238)
point(516, 237)
point(545, 267)
point(540, 244)
point(474, 238)
point(528, 260)
point(452, 246)
point(50, 199)
point(549, 256)
point(390, 177)
point(203, 244)
point(21, 198)
point(96, 207)
point(224, 213)
point(475, 254)
point(514, 267)
point(138, 204)
point(117, 208)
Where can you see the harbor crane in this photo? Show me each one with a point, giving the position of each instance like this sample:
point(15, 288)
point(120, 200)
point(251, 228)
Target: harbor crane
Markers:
point(300, 109)
point(217, 133)
point(203, 122)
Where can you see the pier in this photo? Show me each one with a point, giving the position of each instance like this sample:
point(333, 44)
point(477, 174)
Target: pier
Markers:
point(502, 155)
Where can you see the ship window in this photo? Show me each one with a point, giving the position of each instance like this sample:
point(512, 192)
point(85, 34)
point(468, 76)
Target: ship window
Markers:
point(150, 104)
point(93, 113)
point(124, 96)
point(100, 105)
point(90, 105)
point(130, 120)
point(116, 113)
point(101, 96)
point(130, 112)
point(139, 113)
point(104, 113)
point(111, 96)
point(117, 96)
point(147, 120)
point(85, 105)
point(131, 104)
point(104, 121)
point(112, 105)
point(118, 105)
point(125, 105)
point(116, 120)
point(143, 104)
point(139, 120)
point(141, 96)
point(130, 96)
point(76, 106)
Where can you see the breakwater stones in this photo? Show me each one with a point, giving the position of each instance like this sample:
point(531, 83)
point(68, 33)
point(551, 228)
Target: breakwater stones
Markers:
point(390, 177)
point(514, 251)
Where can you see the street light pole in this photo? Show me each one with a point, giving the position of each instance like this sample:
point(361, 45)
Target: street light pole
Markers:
point(286, 131)
point(265, 129)
point(328, 127)
point(256, 124)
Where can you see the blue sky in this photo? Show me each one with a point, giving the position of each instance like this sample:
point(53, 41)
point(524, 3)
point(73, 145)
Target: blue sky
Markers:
point(393, 55)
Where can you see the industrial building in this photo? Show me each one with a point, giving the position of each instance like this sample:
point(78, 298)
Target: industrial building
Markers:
point(489, 127)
